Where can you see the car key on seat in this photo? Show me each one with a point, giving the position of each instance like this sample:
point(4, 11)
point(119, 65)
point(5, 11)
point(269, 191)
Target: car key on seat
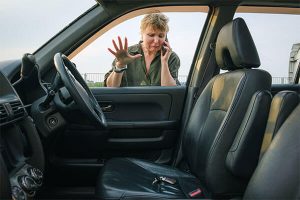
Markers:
point(156, 180)
point(167, 180)
point(163, 179)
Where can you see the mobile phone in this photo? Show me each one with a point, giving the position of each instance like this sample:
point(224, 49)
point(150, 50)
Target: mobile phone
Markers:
point(164, 50)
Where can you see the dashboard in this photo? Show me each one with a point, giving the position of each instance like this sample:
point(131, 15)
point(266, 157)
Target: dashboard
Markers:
point(21, 154)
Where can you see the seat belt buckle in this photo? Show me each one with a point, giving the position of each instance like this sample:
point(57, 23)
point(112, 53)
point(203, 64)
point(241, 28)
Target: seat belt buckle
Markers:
point(195, 193)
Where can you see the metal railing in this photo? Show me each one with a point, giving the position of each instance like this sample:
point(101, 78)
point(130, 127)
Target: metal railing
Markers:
point(93, 77)
point(97, 79)
point(282, 80)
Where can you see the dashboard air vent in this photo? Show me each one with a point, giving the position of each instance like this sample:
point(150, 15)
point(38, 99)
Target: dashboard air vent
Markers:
point(17, 109)
point(3, 114)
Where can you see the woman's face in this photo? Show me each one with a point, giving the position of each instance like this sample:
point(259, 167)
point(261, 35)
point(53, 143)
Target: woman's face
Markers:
point(153, 39)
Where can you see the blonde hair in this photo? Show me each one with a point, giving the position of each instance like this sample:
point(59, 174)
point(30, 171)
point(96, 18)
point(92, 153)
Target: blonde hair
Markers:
point(157, 21)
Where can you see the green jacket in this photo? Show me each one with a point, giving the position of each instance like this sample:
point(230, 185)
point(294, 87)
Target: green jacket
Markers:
point(136, 75)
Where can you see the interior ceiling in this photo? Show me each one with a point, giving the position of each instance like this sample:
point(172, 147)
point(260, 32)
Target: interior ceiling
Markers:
point(287, 3)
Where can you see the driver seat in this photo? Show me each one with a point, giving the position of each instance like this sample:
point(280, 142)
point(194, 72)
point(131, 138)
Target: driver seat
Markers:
point(210, 132)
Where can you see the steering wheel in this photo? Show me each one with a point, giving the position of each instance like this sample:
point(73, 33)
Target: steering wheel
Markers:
point(79, 90)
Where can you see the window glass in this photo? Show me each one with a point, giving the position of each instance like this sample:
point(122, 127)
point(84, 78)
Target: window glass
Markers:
point(94, 61)
point(277, 41)
point(28, 24)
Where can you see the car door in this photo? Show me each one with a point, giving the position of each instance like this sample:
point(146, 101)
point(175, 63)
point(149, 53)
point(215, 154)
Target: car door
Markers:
point(143, 122)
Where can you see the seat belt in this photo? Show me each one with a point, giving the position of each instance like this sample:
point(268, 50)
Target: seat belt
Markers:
point(208, 74)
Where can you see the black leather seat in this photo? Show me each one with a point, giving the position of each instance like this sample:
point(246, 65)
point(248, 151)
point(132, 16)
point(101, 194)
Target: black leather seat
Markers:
point(132, 179)
point(283, 103)
point(210, 132)
point(251, 142)
point(277, 175)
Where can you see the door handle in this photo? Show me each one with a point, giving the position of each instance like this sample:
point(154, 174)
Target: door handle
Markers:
point(107, 108)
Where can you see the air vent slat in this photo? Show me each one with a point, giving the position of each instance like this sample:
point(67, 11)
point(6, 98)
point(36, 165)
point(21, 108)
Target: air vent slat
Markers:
point(17, 108)
point(11, 111)
point(3, 115)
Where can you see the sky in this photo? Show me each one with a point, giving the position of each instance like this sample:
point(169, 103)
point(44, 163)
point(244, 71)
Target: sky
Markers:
point(27, 24)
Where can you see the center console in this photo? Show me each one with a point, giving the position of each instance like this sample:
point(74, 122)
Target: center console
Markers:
point(21, 152)
point(25, 182)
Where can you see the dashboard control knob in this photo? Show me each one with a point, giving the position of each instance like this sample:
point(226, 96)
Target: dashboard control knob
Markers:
point(18, 194)
point(36, 174)
point(28, 184)
point(52, 121)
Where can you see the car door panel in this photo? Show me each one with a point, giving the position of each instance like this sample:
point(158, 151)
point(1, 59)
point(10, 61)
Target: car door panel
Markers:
point(142, 123)
point(141, 119)
point(136, 107)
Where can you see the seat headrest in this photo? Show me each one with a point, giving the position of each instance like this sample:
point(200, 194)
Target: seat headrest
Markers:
point(235, 48)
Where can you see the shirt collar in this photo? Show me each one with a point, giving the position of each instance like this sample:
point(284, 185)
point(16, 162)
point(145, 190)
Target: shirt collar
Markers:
point(137, 49)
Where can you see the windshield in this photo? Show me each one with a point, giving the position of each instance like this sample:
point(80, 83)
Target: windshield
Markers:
point(28, 24)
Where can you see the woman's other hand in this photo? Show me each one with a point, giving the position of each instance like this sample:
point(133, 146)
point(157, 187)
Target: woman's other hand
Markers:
point(121, 53)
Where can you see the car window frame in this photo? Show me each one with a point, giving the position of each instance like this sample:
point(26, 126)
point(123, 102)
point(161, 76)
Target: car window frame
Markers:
point(257, 9)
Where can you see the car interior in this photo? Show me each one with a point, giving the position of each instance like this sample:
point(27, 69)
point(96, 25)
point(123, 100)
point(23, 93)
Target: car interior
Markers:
point(228, 133)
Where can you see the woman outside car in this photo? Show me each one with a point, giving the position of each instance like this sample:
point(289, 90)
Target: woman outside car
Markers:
point(150, 62)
